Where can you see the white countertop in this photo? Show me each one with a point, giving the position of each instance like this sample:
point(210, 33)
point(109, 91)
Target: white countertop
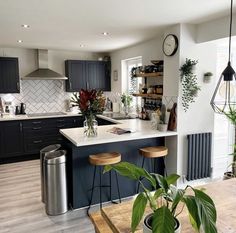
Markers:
point(142, 130)
point(25, 117)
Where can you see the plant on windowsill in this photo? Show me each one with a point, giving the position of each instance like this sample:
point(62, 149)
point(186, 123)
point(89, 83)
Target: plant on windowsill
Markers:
point(190, 86)
point(165, 202)
point(126, 100)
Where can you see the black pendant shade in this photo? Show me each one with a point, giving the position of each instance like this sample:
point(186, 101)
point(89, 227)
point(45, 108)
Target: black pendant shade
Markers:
point(224, 97)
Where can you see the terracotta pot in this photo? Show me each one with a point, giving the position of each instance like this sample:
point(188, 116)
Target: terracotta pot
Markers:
point(147, 228)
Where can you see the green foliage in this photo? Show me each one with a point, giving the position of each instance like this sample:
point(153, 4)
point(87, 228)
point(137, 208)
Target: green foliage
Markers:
point(165, 199)
point(126, 99)
point(189, 83)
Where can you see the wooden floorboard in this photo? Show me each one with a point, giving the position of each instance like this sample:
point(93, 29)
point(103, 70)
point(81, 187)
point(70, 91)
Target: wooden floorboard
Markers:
point(21, 209)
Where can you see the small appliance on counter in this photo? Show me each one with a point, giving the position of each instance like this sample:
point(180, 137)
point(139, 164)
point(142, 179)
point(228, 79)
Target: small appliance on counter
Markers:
point(22, 108)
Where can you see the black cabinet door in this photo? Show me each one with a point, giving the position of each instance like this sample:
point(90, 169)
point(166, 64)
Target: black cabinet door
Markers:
point(9, 75)
point(88, 75)
point(11, 139)
point(76, 72)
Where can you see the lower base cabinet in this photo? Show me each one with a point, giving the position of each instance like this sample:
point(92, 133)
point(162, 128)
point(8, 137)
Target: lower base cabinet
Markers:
point(28, 137)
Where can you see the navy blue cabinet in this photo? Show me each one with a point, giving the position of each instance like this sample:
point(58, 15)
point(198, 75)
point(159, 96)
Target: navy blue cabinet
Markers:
point(9, 75)
point(11, 139)
point(88, 75)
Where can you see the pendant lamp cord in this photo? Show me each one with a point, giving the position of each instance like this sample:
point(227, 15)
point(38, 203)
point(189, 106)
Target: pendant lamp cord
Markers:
point(230, 28)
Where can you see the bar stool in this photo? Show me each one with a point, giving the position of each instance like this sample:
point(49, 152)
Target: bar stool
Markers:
point(100, 160)
point(152, 153)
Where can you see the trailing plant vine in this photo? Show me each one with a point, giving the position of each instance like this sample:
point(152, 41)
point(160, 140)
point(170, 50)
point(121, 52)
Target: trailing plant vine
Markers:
point(189, 83)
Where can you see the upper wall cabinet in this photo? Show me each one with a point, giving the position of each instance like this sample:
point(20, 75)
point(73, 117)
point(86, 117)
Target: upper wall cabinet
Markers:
point(87, 75)
point(9, 75)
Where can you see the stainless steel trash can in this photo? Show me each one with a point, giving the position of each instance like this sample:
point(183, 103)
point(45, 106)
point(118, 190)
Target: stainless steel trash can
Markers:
point(43, 152)
point(55, 183)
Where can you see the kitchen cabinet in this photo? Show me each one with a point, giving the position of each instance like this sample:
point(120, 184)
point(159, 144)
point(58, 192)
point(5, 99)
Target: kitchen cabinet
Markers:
point(28, 137)
point(88, 75)
point(11, 139)
point(9, 75)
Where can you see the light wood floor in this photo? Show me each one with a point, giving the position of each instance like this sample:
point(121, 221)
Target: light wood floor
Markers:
point(21, 209)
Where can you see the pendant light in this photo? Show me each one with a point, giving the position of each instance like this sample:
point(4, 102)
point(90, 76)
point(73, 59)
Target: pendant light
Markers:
point(224, 97)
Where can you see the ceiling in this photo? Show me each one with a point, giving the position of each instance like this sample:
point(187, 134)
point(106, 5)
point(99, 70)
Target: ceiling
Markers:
point(68, 24)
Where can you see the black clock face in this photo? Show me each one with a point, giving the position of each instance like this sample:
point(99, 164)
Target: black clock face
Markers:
point(170, 45)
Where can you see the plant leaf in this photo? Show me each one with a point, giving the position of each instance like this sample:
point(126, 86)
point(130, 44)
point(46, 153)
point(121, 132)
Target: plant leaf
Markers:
point(171, 179)
point(138, 210)
point(162, 182)
point(206, 211)
point(193, 212)
point(133, 172)
point(163, 221)
point(176, 195)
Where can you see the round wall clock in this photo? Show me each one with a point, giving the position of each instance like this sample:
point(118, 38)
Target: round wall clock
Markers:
point(170, 45)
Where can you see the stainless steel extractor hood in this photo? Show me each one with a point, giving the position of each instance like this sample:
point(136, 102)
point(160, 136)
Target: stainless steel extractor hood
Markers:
point(43, 72)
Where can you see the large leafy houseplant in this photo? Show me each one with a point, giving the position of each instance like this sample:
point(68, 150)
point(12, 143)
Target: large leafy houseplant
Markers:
point(165, 199)
point(189, 83)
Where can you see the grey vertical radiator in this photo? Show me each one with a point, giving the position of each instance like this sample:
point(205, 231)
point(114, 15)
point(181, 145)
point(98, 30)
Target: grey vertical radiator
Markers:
point(199, 156)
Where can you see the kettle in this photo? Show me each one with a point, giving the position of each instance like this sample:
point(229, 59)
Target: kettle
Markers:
point(22, 108)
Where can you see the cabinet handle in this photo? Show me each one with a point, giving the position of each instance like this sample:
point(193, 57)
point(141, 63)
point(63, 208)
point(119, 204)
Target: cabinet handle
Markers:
point(36, 142)
point(18, 86)
point(59, 139)
point(60, 120)
point(36, 122)
point(60, 126)
point(87, 85)
point(37, 128)
point(21, 127)
point(70, 84)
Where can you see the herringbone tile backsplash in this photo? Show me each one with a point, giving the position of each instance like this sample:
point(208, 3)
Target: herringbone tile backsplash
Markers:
point(41, 96)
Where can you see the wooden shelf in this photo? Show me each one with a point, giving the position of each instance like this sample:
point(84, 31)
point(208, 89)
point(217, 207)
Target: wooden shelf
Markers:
point(151, 75)
point(151, 96)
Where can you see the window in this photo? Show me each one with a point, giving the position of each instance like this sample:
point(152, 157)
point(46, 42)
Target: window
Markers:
point(131, 84)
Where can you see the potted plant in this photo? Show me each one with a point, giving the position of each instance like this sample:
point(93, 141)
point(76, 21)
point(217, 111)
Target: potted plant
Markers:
point(164, 201)
point(207, 77)
point(190, 86)
point(231, 115)
point(91, 103)
point(126, 99)
point(162, 126)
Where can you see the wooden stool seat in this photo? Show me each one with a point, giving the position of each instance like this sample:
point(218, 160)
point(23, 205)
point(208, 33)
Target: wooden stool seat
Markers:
point(154, 152)
point(105, 158)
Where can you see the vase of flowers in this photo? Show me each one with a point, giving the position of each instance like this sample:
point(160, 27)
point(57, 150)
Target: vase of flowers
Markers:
point(91, 103)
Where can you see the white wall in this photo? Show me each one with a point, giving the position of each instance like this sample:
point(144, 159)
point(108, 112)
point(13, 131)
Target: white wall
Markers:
point(200, 116)
point(41, 95)
point(215, 29)
point(149, 50)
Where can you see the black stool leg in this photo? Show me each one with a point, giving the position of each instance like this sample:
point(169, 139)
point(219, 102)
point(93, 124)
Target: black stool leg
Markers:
point(100, 188)
point(118, 187)
point(164, 165)
point(140, 179)
point(91, 197)
point(110, 184)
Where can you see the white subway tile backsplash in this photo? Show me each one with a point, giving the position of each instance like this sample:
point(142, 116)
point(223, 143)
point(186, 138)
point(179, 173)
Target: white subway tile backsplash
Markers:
point(41, 96)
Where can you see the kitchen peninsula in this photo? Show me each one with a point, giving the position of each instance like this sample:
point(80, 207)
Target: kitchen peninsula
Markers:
point(79, 148)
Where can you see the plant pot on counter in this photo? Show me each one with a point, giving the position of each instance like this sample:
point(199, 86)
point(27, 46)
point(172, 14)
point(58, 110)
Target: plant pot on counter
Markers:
point(147, 225)
point(162, 127)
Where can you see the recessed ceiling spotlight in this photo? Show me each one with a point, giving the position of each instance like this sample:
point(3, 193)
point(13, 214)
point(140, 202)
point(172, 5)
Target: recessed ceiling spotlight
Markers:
point(105, 33)
point(20, 41)
point(82, 45)
point(25, 26)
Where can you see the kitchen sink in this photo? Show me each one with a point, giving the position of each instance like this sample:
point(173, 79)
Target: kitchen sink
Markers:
point(118, 116)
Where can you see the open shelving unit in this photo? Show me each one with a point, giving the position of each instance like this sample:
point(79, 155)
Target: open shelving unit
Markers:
point(149, 75)
point(150, 96)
